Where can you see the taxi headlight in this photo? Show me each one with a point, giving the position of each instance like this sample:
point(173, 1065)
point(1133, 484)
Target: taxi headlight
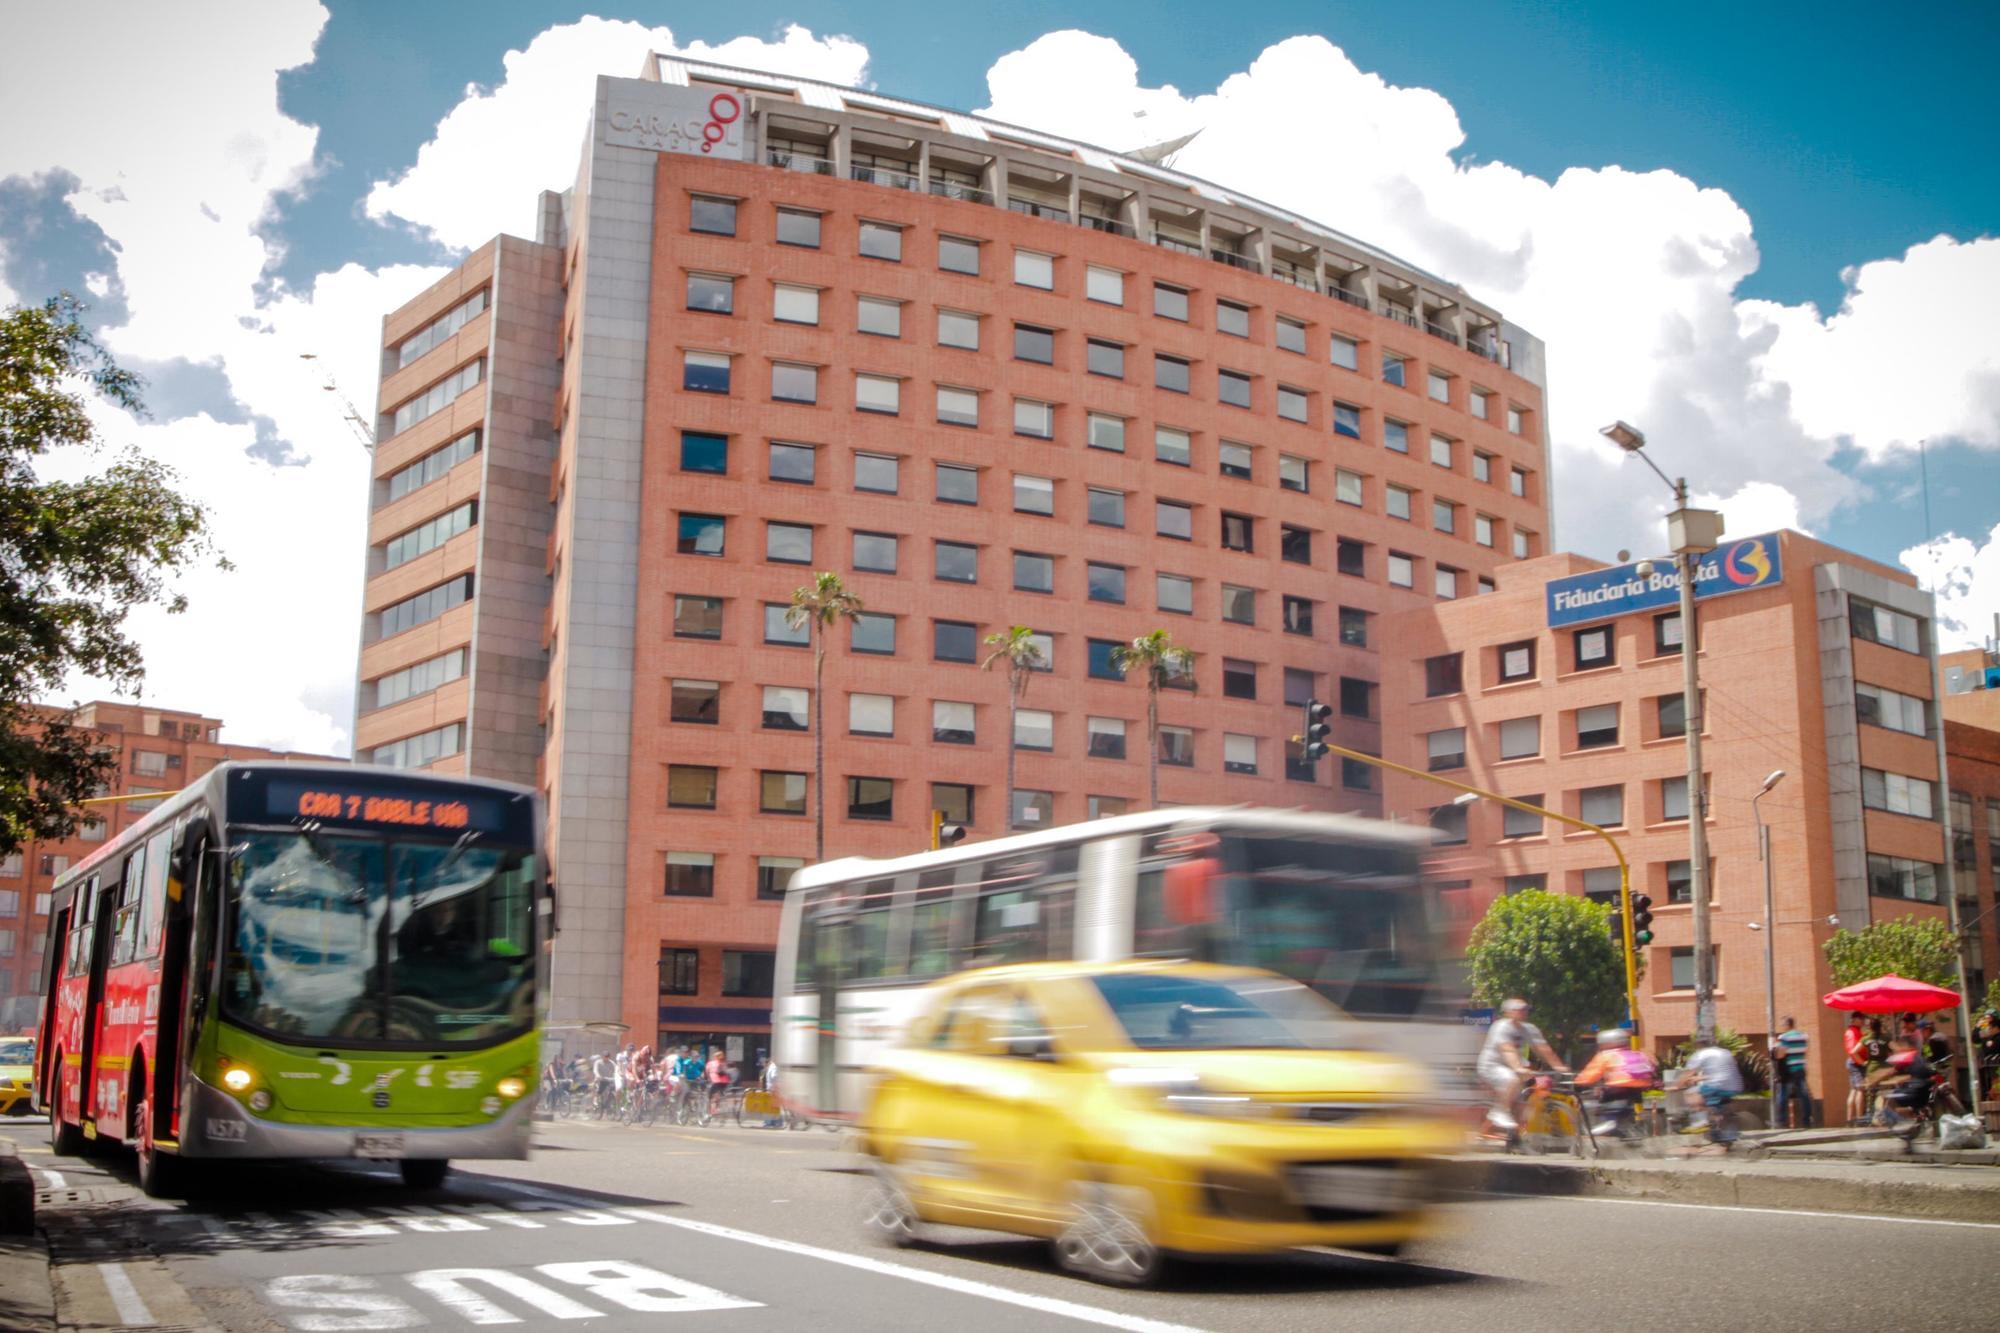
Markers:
point(1232, 1105)
point(236, 1078)
point(260, 1100)
point(510, 1087)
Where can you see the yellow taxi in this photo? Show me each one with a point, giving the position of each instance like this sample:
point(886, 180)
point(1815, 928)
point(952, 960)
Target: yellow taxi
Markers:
point(17, 1075)
point(1126, 1111)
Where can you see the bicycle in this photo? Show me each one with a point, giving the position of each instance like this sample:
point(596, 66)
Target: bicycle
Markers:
point(1553, 1118)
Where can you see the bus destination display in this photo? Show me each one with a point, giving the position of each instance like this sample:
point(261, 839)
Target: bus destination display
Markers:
point(443, 811)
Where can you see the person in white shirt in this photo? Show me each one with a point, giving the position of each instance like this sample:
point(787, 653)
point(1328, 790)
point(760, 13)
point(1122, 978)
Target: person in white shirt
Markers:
point(1503, 1061)
point(1713, 1074)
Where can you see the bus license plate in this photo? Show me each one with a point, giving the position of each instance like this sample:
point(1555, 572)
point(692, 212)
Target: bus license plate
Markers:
point(378, 1145)
point(1358, 1189)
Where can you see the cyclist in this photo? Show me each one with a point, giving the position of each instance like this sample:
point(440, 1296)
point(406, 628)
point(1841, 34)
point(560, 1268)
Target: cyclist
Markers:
point(1712, 1072)
point(1625, 1075)
point(1906, 1089)
point(1503, 1062)
point(718, 1079)
point(690, 1072)
point(604, 1070)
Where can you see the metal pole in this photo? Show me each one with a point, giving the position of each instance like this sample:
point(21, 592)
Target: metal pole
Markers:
point(1770, 927)
point(1697, 796)
point(1950, 868)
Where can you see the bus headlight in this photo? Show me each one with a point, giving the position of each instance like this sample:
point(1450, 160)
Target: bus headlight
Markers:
point(510, 1087)
point(260, 1100)
point(236, 1078)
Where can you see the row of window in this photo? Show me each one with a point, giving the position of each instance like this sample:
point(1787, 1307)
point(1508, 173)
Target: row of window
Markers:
point(1591, 728)
point(428, 468)
point(439, 329)
point(419, 678)
point(437, 397)
point(10, 899)
point(424, 748)
point(423, 607)
point(429, 535)
point(1603, 806)
point(867, 798)
point(1034, 269)
point(745, 972)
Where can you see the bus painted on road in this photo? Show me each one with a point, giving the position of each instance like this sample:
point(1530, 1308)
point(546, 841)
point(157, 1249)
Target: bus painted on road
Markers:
point(1339, 903)
point(301, 960)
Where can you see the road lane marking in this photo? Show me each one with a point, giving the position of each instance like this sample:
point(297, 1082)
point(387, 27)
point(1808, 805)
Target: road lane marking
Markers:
point(125, 1296)
point(54, 1180)
point(1051, 1305)
point(1751, 1208)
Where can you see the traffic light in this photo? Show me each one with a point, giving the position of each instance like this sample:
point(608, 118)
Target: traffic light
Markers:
point(1642, 919)
point(1312, 742)
point(944, 834)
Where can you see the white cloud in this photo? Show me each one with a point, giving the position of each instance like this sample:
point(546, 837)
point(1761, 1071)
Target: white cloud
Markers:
point(1629, 277)
point(1758, 506)
point(1964, 577)
point(499, 148)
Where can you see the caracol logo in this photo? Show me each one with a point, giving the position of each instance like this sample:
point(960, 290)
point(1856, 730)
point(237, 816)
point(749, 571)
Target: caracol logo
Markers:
point(723, 111)
point(1747, 563)
point(677, 120)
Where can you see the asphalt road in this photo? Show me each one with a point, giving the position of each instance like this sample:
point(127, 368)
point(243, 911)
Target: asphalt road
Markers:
point(612, 1228)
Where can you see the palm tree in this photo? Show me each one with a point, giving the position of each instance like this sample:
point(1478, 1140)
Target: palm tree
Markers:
point(817, 608)
point(1159, 657)
point(1016, 647)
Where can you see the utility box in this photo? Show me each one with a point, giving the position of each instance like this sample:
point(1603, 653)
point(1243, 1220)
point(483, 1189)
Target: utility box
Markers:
point(1693, 530)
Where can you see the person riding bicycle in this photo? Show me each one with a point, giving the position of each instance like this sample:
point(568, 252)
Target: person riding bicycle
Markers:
point(1712, 1072)
point(717, 1074)
point(604, 1071)
point(1503, 1062)
point(1626, 1076)
point(1906, 1088)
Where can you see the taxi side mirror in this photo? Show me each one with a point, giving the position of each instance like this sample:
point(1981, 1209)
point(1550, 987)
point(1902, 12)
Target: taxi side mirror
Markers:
point(1036, 1047)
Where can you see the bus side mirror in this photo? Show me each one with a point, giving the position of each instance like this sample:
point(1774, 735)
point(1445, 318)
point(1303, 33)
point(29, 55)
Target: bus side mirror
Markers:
point(1189, 890)
point(549, 907)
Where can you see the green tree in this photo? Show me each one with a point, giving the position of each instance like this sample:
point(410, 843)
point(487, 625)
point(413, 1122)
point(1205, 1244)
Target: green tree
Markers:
point(817, 608)
point(1160, 659)
point(75, 558)
point(1016, 647)
point(1920, 950)
point(1555, 951)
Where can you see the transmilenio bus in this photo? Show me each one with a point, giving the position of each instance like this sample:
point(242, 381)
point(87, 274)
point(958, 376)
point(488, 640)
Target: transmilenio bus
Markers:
point(301, 960)
point(1338, 903)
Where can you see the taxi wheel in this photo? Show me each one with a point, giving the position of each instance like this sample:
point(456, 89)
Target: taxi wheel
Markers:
point(888, 1213)
point(1106, 1239)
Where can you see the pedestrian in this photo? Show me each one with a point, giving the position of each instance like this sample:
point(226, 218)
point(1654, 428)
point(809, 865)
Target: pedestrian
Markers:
point(1987, 1032)
point(1789, 1098)
point(1853, 1041)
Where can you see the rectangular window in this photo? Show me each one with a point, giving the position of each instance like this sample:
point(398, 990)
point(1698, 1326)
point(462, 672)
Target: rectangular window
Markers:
point(1673, 714)
point(1034, 344)
point(690, 875)
point(697, 617)
point(877, 472)
point(1402, 570)
point(1482, 466)
point(437, 397)
point(1517, 482)
point(435, 464)
point(796, 226)
point(1034, 729)
point(428, 536)
point(795, 305)
point(1232, 318)
point(1444, 516)
point(1106, 432)
point(1034, 270)
point(1440, 387)
point(1298, 615)
point(879, 240)
point(1173, 592)
point(951, 722)
point(1520, 737)
point(955, 562)
point(1170, 302)
point(696, 701)
point(1521, 823)
point(781, 793)
point(878, 393)
point(1239, 678)
point(1106, 583)
point(1900, 877)
point(957, 407)
point(958, 255)
point(1350, 557)
point(710, 214)
point(1293, 404)
point(1354, 627)
point(792, 383)
point(1878, 707)
point(954, 641)
point(1034, 809)
point(1346, 353)
point(705, 372)
point(711, 293)
point(1347, 420)
point(953, 800)
point(1103, 655)
point(1396, 501)
point(1295, 545)
point(1034, 572)
point(871, 715)
point(1233, 460)
point(1596, 726)
point(1172, 519)
point(1104, 284)
point(418, 678)
point(875, 552)
point(779, 629)
point(1667, 634)
point(426, 606)
point(1444, 581)
point(747, 973)
point(871, 798)
point(1034, 495)
point(1239, 604)
point(882, 318)
point(1239, 753)
point(793, 463)
point(1394, 370)
point(1595, 648)
point(957, 485)
point(702, 451)
point(1232, 388)
point(1517, 660)
point(440, 329)
point(1357, 697)
point(1107, 508)
point(1446, 748)
point(1106, 737)
point(1602, 806)
point(1440, 451)
point(1444, 674)
point(1879, 624)
point(957, 329)
point(786, 708)
point(1177, 747)
point(1291, 335)
point(788, 543)
point(1034, 419)
point(1170, 373)
point(1294, 473)
point(874, 633)
point(1171, 445)
point(691, 787)
point(680, 969)
point(1898, 794)
point(1239, 532)
point(1516, 420)
point(1482, 529)
point(1674, 798)
point(1396, 436)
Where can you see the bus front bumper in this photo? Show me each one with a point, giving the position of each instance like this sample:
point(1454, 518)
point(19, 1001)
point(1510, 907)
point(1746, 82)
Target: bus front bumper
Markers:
point(216, 1125)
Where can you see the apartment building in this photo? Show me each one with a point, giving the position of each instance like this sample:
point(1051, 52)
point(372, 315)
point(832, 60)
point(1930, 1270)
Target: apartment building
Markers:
point(159, 751)
point(1564, 689)
point(990, 377)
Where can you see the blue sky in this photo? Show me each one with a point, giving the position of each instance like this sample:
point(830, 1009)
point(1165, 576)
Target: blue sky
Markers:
point(1679, 199)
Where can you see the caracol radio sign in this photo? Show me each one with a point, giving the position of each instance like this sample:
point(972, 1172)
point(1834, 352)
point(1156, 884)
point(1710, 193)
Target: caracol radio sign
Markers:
point(668, 119)
point(1737, 566)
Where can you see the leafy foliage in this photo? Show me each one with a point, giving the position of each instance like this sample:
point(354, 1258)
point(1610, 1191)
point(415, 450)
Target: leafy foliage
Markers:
point(75, 558)
point(1920, 950)
point(1160, 660)
point(1022, 656)
point(1556, 952)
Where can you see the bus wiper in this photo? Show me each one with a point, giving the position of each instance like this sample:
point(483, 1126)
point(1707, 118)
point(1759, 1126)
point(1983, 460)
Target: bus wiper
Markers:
point(451, 858)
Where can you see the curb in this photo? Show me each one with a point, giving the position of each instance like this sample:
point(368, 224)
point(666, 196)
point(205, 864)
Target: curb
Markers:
point(17, 1193)
point(1800, 1189)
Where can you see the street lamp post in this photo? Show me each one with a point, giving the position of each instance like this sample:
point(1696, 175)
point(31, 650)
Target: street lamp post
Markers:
point(1770, 912)
point(1692, 533)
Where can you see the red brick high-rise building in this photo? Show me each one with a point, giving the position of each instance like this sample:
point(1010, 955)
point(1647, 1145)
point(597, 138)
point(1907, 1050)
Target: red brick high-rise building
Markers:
point(990, 377)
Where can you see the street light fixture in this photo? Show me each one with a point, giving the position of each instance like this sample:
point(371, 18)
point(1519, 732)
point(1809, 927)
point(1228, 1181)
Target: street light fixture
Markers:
point(1691, 533)
point(1770, 912)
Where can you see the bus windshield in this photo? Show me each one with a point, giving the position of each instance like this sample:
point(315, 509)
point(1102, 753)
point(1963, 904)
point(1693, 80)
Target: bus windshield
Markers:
point(336, 937)
point(1349, 920)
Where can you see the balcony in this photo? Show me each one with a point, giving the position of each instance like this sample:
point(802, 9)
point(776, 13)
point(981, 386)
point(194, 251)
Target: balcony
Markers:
point(1033, 209)
point(1175, 243)
point(1440, 331)
point(1234, 260)
point(896, 178)
point(1294, 274)
point(788, 160)
point(1351, 298)
point(1390, 310)
point(1109, 226)
point(950, 189)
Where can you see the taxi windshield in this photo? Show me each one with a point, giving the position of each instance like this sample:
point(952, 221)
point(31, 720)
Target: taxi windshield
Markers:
point(17, 1051)
point(1165, 1012)
point(379, 940)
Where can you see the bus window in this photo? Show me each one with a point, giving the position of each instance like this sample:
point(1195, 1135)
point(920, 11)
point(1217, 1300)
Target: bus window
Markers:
point(153, 903)
point(1027, 904)
point(931, 918)
point(125, 926)
point(82, 922)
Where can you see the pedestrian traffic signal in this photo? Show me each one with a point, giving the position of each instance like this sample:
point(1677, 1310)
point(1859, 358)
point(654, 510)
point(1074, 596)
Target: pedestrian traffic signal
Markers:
point(944, 834)
point(1312, 742)
point(1642, 919)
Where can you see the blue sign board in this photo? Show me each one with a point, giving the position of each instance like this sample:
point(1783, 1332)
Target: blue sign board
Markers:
point(1736, 566)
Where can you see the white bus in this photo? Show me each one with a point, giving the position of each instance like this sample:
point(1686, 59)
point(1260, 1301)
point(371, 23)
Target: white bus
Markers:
point(1338, 903)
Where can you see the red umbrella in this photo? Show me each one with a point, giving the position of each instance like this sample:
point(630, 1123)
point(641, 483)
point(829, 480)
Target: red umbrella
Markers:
point(1891, 994)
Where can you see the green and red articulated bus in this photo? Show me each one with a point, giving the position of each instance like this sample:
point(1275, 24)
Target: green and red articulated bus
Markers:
point(304, 961)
